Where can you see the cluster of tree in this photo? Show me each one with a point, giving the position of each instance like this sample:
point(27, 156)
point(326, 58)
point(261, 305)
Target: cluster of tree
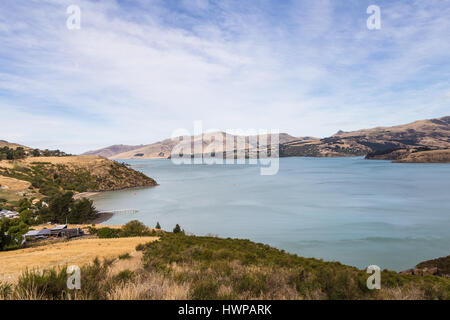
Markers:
point(7, 153)
point(64, 209)
point(48, 153)
point(12, 230)
point(133, 228)
point(12, 154)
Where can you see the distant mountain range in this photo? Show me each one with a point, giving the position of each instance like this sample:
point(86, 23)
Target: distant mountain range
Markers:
point(433, 134)
point(163, 149)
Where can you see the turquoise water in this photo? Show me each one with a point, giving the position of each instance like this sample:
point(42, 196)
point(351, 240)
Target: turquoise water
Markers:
point(351, 210)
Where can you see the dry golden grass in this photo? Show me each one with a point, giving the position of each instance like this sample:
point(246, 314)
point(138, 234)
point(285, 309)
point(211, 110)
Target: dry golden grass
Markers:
point(95, 163)
point(14, 184)
point(150, 287)
point(74, 252)
point(13, 189)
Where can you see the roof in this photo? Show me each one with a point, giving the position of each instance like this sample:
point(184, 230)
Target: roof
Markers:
point(8, 212)
point(61, 227)
point(42, 232)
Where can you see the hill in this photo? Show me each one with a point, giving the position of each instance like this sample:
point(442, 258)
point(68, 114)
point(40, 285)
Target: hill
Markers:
point(50, 175)
point(111, 150)
point(432, 134)
point(163, 149)
point(10, 145)
point(416, 155)
point(439, 267)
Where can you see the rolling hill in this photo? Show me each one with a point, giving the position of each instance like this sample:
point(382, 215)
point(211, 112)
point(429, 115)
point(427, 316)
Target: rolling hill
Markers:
point(163, 149)
point(111, 150)
point(4, 143)
point(433, 134)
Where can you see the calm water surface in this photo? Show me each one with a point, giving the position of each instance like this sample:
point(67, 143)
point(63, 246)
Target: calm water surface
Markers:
point(355, 211)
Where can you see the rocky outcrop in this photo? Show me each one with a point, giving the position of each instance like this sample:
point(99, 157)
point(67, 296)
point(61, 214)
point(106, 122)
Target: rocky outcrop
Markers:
point(416, 155)
point(438, 267)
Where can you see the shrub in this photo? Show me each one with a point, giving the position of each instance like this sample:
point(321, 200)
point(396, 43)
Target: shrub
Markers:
point(134, 229)
point(5, 290)
point(140, 247)
point(177, 229)
point(124, 276)
point(104, 233)
point(124, 256)
point(50, 284)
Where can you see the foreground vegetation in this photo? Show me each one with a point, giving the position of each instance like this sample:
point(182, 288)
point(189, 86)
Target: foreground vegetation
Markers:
point(189, 267)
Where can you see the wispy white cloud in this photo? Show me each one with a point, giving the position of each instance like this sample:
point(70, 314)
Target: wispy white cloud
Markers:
point(134, 73)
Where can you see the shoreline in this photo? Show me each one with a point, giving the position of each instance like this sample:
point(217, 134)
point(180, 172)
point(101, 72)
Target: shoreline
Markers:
point(83, 195)
point(102, 217)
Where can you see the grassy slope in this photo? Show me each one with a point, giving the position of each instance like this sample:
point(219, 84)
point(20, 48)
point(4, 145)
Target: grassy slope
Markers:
point(189, 267)
point(234, 269)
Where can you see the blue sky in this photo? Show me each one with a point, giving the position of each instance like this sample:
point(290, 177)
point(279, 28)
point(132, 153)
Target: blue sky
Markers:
point(138, 70)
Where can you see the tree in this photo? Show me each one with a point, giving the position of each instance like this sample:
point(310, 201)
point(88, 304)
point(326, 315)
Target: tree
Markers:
point(158, 226)
point(63, 208)
point(134, 228)
point(59, 208)
point(36, 153)
point(177, 229)
point(82, 211)
point(3, 236)
point(11, 232)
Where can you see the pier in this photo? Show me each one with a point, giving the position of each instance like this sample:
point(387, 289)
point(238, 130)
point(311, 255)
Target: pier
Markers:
point(121, 211)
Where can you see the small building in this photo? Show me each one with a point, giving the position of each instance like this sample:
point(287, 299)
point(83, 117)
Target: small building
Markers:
point(35, 201)
point(62, 231)
point(9, 214)
point(57, 229)
point(38, 234)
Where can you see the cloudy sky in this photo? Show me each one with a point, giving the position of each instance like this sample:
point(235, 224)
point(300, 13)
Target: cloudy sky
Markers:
point(138, 70)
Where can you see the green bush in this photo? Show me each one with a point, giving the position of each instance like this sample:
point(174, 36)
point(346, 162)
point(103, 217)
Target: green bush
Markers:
point(104, 233)
point(5, 290)
point(124, 276)
point(251, 270)
point(177, 229)
point(140, 247)
point(134, 228)
point(51, 284)
point(124, 256)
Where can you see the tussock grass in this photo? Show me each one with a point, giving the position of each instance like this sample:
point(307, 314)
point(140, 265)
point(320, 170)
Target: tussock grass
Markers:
point(190, 267)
